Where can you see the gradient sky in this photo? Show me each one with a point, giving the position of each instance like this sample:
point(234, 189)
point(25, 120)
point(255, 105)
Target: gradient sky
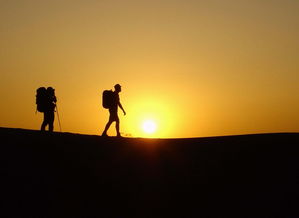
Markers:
point(198, 68)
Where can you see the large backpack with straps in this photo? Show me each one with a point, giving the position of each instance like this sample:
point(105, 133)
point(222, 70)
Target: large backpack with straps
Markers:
point(41, 99)
point(108, 99)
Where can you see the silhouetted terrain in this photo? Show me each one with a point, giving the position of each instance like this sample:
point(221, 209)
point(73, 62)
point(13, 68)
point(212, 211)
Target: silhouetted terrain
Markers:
point(69, 175)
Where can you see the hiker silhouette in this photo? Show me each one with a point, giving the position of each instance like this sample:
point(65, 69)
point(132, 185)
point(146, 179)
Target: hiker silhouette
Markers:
point(111, 101)
point(46, 103)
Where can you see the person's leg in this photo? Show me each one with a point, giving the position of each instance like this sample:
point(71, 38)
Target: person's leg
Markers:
point(106, 128)
point(113, 117)
point(44, 123)
point(117, 127)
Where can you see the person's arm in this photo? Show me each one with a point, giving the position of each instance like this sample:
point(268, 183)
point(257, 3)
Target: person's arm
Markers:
point(121, 107)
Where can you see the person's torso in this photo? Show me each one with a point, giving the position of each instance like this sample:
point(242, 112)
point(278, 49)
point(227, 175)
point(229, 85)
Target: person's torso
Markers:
point(115, 102)
point(50, 103)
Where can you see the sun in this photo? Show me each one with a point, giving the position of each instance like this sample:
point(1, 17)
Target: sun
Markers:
point(149, 126)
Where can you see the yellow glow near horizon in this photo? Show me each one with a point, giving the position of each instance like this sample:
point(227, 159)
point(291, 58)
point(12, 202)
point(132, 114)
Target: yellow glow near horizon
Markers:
point(149, 126)
point(155, 111)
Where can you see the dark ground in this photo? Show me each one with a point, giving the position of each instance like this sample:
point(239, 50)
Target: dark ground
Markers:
point(69, 175)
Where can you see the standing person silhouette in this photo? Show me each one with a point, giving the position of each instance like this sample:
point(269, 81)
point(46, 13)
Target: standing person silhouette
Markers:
point(113, 111)
point(50, 104)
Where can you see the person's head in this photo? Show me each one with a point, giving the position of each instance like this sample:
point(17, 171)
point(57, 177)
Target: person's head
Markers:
point(50, 90)
point(117, 88)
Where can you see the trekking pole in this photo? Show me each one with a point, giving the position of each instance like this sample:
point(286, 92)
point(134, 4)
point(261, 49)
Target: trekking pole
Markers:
point(58, 117)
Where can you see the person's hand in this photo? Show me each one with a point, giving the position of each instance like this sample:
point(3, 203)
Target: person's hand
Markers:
point(124, 113)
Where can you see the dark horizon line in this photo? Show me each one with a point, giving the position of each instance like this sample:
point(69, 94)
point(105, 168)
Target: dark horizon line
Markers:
point(173, 138)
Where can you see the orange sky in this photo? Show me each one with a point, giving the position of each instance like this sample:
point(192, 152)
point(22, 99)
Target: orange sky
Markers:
point(198, 68)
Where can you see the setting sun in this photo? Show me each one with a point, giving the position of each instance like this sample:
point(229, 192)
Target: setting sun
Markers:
point(149, 126)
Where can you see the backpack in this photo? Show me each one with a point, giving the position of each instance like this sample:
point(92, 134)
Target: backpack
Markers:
point(41, 99)
point(108, 99)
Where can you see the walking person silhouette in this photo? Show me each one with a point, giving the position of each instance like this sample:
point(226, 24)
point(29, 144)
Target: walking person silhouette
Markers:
point(46, 103)
point(111, 101)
